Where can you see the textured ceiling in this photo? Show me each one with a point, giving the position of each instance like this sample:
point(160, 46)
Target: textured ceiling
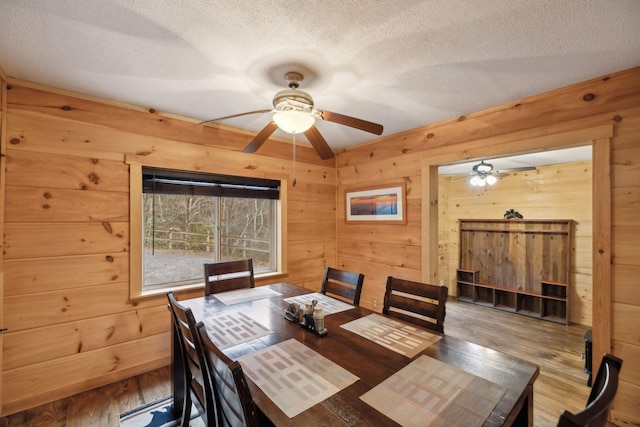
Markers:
point(400, 63)
point(575, 154)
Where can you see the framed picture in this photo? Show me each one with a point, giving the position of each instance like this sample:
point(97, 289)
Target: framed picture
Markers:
point(381, 204)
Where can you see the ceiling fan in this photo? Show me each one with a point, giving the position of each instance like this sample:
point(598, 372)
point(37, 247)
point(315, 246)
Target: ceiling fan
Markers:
point(483, 174)
point(294, 112)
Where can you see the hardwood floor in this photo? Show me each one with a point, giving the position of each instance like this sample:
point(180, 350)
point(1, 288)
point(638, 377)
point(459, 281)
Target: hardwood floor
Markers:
point(99, 407)
point(555, 348)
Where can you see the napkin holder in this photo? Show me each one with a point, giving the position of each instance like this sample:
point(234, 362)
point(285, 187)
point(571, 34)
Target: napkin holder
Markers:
point(293, 313)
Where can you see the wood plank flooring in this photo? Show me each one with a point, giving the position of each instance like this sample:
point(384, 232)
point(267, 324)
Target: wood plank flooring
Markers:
point(555, 348)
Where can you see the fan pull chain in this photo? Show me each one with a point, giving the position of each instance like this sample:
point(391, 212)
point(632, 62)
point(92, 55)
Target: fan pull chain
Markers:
point(294, 160)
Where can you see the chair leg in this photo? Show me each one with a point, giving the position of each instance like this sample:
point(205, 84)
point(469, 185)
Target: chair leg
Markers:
point(180, 381)
point(186, 410)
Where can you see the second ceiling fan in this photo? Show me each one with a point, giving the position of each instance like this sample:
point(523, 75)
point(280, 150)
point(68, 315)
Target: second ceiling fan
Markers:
point(483, 173)
point(294, 112)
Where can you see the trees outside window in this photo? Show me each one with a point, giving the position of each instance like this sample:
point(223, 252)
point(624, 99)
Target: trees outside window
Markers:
point(181, 232)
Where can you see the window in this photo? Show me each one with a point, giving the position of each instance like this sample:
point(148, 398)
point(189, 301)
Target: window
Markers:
point(189, 219)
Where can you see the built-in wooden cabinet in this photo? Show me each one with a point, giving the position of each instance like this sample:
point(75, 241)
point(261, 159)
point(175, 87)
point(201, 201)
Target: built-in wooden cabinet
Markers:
point(521, 266)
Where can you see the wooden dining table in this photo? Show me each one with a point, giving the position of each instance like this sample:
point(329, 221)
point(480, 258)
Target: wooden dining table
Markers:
point(370, 362)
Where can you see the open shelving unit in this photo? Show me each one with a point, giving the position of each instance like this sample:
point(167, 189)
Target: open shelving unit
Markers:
point(520, 266)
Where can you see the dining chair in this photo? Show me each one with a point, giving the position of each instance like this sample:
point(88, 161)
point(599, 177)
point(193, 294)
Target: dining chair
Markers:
point(345, 284)
point(197, 386)
point(419, 303)
point(600, 399)
point(228, 276)
point(233, 397)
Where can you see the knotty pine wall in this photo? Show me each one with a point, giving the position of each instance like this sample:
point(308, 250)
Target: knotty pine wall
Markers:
point(83, 331)
point(604, 111)
point(539, 194)
point(3, 151)
point(71, 324)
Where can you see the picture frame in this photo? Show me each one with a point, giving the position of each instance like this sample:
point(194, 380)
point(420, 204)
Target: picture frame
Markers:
point(382, 204)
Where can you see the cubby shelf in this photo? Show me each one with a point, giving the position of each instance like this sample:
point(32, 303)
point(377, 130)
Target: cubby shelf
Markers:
point(505, 264)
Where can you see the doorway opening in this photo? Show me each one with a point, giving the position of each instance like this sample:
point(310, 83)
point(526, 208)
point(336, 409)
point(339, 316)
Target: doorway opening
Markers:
point(600, 138)
point(543, 186)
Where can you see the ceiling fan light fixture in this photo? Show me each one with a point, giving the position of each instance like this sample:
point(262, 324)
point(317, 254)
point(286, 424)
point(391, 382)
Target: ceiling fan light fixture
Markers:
point(491, 179)
point(475, 180)
point(292, 121)
point(483, 167)
point(293, 112)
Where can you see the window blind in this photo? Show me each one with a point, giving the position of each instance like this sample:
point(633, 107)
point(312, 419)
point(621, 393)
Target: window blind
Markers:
point(167, 181)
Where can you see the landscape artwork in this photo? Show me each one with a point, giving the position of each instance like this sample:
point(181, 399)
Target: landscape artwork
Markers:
point(376, 204)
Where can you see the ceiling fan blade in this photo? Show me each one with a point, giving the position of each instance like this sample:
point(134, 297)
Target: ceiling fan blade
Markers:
point(260, 138)
point(364, 125)
point(236, 115)
point(505, 172)
point(315, 138)
point(523, 168)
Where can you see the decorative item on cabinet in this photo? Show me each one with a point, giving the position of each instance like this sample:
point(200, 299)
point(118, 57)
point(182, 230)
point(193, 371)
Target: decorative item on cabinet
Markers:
point(511, 214)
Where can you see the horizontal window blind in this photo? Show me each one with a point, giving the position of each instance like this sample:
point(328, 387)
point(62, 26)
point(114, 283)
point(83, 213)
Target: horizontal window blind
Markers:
point(167, 181)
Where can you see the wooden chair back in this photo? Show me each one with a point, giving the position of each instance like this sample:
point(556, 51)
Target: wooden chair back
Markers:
point(418, 303)
point(603, 391)
point(228, 276)
point(198, 387)
point(233, 397)
point(345, 284)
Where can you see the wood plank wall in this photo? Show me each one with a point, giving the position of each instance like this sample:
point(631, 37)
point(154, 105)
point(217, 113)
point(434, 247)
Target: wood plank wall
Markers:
point(580, 110)
point(3, 151)
point(71, 325)
point(80, 332)
point(560, 191)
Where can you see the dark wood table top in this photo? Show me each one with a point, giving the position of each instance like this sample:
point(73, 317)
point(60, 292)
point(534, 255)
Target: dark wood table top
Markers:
point(369, 361)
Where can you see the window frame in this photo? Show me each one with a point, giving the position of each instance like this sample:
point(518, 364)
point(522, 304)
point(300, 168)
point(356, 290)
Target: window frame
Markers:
point(136, 235)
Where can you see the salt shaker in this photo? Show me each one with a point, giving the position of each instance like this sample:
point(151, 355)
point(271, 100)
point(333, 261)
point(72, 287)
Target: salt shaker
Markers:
point(318, 318)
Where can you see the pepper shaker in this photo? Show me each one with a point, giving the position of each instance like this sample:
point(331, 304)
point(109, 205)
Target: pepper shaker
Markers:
point(307, 313)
